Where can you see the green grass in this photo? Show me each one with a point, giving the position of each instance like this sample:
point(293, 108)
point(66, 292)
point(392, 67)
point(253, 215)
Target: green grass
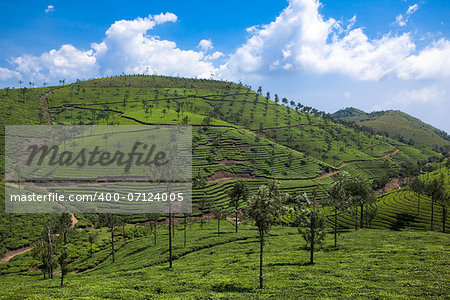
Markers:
point(400, 126)
point(369, 264)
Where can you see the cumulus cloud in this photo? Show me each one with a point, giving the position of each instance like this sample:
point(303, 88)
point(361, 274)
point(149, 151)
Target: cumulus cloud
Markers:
point(6, 74)
point(401, 20)
point(205, 45)
point(49, 9)
point(301, 39)
point(163, 18)
point(65, 63)
point(127, 48)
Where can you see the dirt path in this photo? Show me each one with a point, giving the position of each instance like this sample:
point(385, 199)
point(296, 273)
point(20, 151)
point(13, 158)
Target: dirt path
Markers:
point(44, 102)
point(12, 253)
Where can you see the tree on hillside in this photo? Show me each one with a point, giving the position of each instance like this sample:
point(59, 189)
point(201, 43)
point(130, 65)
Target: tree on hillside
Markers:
point(219, 215)
point(92, 238)
point(292, 103)
point(264, 208)
point(276, 98)
point(110, 221)
point(259, 90)
point(64, 225)
point(361, 195)
point(444, 201)
point(204, 204)
point(62, 260)
point(238, 195)
point(339, 200)
point(436, 190)
point(309, 216)
point(418, 187)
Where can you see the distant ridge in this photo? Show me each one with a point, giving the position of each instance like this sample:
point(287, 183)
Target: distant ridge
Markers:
point(400, 126)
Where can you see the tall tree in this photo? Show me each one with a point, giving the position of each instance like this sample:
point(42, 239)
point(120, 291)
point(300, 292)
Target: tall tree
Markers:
point(436, 190)
point(92, 237)
point(64, 225)
point(418, 187)
point(110, 221)
point(238, 194)
point(219, 215)
point(264, 208)
point(62, 260)
point(339, 200)
point(361, 194)
point(309, 216)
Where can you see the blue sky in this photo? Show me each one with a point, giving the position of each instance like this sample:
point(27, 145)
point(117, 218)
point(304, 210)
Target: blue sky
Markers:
point(374, 55)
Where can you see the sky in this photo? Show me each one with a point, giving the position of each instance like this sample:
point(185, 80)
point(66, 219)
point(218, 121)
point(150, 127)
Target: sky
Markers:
point(328, 54)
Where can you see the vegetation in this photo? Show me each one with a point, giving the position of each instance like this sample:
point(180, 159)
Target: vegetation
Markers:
point(249, 153)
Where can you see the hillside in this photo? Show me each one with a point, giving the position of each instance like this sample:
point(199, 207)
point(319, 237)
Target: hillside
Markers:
point(237, 134)
point(399, 126)
point(370, 264)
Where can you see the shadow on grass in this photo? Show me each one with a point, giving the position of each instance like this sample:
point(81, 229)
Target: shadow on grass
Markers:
point(402, 220)
point(230, 287)
point(286, 264)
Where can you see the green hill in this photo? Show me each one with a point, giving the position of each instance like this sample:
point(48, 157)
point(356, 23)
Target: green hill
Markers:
point(399, 126)
point(237, 134)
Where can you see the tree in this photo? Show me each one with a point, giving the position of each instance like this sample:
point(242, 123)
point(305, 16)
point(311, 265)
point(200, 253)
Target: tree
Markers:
point(339, 199)
point(260, 90)
point(309, 216)
point(40, 252)
point(436, 190)
point(238, 194)
point(64, 225)
point(417, 186)
point(219, 214)
point(361, 195)
point(92, 237)
point(444, 201)
point(203, 206)
point(62, 260)
point(264, 208)
point(110, 221)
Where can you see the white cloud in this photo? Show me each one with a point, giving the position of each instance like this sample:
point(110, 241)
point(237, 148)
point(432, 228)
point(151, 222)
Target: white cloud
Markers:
point(412, 9)
point(163, 18)
point(301, 39)
point(424, 95)
point(401, 20)
point(65, 63)
point(127, 48)
point(205, 45)
point(49, 9)
point(431, 62)
point(6, 74)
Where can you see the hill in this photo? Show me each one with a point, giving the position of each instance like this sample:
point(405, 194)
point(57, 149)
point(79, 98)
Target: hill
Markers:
point(374, 263)
point(237, 134)
point(399, 126)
